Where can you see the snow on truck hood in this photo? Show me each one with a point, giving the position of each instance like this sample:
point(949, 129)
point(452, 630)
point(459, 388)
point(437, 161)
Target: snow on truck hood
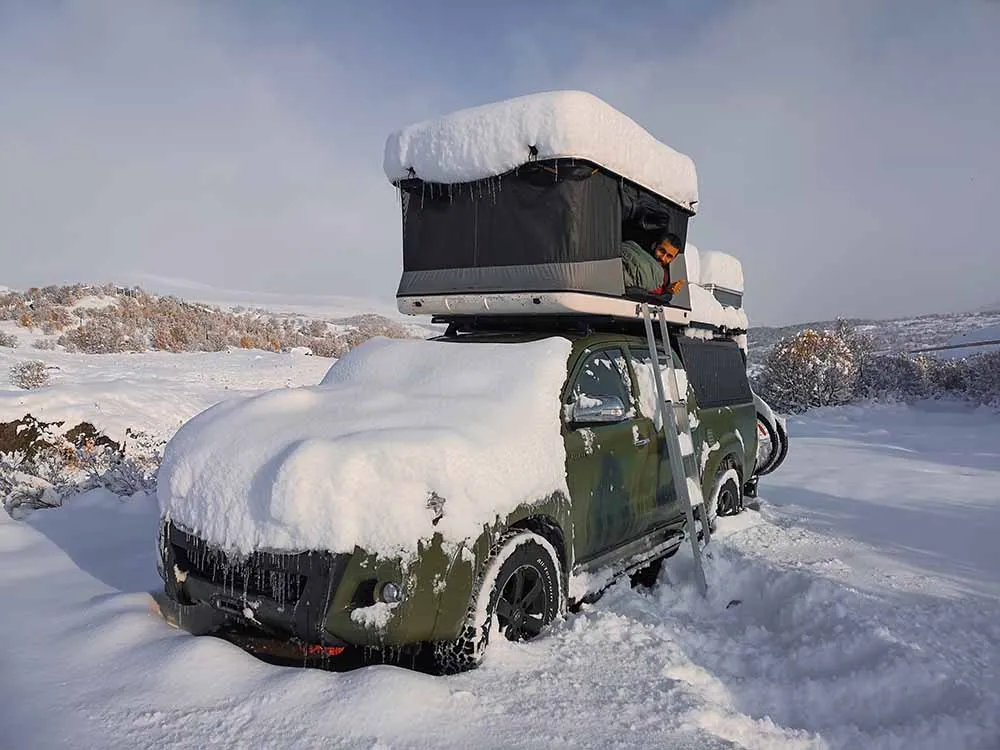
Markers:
point(354, 460)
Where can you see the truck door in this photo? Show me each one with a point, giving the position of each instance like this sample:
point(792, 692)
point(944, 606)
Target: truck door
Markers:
point(666, 507)
point(608, 462)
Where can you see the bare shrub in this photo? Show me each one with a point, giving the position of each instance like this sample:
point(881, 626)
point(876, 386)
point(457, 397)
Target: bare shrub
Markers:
point(139, 322)
point(29, 374)
point(983, 378)
point(811, 368)
point(40, 465)
point(334, 347)
point(8, 339)
point(896, 376)
point(832, 367)
point(44, 344)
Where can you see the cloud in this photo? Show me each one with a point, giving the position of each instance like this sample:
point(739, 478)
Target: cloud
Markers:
point(165, 138)
point(846, 151)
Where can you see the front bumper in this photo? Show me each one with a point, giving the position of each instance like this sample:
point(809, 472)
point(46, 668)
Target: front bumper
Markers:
point(312, 597)
point(282, 594)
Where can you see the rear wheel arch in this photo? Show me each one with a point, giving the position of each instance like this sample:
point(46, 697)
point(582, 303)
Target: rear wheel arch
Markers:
point(728, 471)
point(731, 458)
point(733, 461)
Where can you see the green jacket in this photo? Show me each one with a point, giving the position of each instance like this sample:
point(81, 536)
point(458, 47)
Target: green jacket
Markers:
point(642, 270)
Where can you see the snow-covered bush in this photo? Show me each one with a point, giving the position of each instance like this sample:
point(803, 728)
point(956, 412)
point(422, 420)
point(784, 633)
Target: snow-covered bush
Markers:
point(44, 344)
point(983, 378)
point(40, 465)
point(103, 335)
point(123, 469)
point(8, 339)
point(895, 377)
point(29, 374)
point(811, 368)
point(903, 377)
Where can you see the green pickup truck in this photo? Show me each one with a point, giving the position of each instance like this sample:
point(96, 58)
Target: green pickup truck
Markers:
point(523, 569)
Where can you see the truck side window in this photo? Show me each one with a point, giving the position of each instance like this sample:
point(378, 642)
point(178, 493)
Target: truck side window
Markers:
point(717, 371)
point(604, 373)
point(645, 374)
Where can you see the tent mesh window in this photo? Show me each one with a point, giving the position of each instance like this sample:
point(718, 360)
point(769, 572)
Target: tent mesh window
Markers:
point(555, 225)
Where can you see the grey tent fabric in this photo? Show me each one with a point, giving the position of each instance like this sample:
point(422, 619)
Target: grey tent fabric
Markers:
point(547, 226)
point(540, 214)
point(595, 276)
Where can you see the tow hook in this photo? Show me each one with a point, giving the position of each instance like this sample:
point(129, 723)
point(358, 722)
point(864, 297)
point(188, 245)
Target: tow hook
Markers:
point(235, 607)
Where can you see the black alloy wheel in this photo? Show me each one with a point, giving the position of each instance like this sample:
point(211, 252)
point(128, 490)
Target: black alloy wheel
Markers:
point(524, 586)
point(730, 500)
point(522, 604)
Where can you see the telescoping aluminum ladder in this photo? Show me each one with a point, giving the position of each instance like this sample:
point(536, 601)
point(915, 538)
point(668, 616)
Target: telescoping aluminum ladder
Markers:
point(676, 426)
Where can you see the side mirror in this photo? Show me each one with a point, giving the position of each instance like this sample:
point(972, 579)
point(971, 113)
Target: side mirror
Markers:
point(595, 410)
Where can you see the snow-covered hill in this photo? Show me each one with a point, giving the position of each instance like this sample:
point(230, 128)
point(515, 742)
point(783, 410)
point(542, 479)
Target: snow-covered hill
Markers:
point(110, 319)
point(868, 614)
point(898, 335)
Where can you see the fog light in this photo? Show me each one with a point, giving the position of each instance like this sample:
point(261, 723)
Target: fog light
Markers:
point(391, 593)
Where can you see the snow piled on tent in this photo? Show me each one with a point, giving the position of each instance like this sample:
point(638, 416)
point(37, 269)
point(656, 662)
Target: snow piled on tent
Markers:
point(705, 308)
point(707, 269)
point(692, 263)
point(354, 460)
point(486, 141)
point(721, 270)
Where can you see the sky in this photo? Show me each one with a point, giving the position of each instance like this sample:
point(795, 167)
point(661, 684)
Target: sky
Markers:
point(848, 152)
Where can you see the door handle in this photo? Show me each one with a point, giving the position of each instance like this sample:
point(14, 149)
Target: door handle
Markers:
point(641, 441)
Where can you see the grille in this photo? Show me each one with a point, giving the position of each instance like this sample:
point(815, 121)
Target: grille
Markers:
point(276, 576)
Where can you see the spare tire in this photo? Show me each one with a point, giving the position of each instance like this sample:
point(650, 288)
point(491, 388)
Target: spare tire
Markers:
point(774, 435)
point(771, 433)
point(782, 445)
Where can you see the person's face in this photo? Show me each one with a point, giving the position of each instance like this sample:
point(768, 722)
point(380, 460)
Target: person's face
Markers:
point(666, 252)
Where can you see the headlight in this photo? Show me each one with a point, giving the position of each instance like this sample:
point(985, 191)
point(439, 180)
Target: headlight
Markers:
point(161, 550)
point(391, 593)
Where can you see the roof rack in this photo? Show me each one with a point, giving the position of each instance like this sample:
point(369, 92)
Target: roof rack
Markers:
point(579, 324)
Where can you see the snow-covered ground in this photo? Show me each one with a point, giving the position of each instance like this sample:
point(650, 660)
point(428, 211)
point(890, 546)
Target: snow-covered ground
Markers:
point(970, 343)
point(868, 614)
point(155, 391)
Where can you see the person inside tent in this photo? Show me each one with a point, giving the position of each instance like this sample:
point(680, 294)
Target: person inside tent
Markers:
point(650, 271)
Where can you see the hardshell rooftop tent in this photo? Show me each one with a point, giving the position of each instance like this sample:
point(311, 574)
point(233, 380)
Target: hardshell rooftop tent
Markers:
point(520, 207)
point(716, 288)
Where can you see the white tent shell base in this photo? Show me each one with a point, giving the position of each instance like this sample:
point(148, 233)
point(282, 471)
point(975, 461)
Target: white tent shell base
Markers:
point(532, 303)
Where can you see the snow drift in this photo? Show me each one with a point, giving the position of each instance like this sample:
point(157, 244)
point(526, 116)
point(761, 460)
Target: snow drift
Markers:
point(354, 460)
